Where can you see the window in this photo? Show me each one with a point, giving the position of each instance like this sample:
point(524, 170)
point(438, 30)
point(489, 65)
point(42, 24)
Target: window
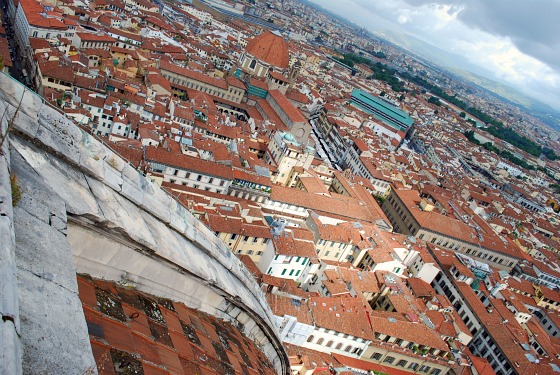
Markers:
point(284, 271)
point(413, 366)
point(436, 371)
point(389, 360)
point(259, 252)
point(255, 239)
point(291, 272)
point(401, 363)
point(425, 368)
point(233, 236)
point(311, 338)
point(245, 238)
point(348, 348)
point(297, 273)
point(329, 344)
point(320, 341)
point(376, 356)
point(250, 252)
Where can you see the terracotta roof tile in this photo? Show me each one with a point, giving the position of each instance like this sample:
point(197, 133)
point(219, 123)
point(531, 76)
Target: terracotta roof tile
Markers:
point(270, 48)
point(176, 339)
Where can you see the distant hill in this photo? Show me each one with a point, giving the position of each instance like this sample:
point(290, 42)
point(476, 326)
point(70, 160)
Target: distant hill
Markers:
point(456, 64)
point(542, 111)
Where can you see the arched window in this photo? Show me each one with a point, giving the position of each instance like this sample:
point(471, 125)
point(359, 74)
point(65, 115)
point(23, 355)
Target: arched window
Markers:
point(320, 341)
point(253, 64)
point(329, 344)
point(311, 338)
point(338, 346)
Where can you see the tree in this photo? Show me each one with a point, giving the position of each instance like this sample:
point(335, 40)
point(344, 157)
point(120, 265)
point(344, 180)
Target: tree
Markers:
point(462, 115)
point(549, 154)
point(434, 100)
point(382, 93)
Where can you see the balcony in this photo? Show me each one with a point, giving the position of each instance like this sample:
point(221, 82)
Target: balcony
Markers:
point(392, 347)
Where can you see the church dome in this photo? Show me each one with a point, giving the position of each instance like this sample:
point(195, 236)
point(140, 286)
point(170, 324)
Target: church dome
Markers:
point(270, 48)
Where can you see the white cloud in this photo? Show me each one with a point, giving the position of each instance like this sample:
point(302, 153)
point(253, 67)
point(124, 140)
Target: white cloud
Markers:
point(441, 25)
point(402, 19)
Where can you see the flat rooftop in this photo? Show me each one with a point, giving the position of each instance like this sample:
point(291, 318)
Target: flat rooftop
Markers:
point(382, 110)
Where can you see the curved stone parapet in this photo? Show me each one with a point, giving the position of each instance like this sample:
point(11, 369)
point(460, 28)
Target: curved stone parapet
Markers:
point(122, 227)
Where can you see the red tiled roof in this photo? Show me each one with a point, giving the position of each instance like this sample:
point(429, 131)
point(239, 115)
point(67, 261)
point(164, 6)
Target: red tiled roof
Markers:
point(293, 113)
point(5, 52)
point(188, 163)
point(217, 82)
point(34, 13)
point(344, 207)
point(367, 366)
point(90, 37)
point(270, 48)
point(133, 332)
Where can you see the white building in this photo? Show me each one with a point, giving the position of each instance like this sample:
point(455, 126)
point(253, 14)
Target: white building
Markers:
point(287, 256)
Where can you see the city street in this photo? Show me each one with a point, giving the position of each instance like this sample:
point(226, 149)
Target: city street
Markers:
point(17, 60)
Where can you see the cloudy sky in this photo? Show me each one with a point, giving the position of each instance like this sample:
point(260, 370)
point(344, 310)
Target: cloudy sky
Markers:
point(517, 41)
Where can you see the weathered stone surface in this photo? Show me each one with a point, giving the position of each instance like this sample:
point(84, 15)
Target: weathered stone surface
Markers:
point(157, 202)
point(9, 306)
point(10, 356)
point(37, 198)
point(23, 123)
point(178, 219)
point(14, 93)
point(132, 175)
point(116, 162)
point(131, 191)
point(54, 332)
point(67, 183)
point(119, 212)
point(58, 139)
point(43, 251)
point(111, 177)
